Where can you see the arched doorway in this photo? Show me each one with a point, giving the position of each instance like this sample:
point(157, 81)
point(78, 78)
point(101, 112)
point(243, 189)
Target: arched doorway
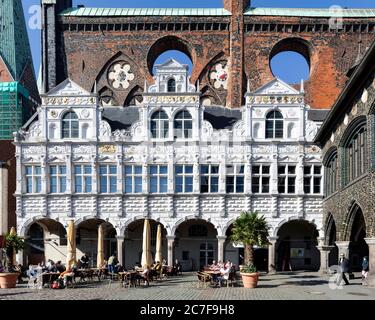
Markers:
point(87, 239)
point(195, 244)
point(45, 239)
point(358, 247)
point(331, 241)
point(296, 247)
point(134, 239)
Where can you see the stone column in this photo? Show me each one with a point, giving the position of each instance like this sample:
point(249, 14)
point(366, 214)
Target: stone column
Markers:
point(170, 240)
point(220, 247)
point(271, 255)
point(371, 258)
point(3, 199)
point(120, 249)
point(343, 248)
point(324, 258)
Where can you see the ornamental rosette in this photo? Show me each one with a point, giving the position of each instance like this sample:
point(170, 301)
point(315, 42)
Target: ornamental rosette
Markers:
point(120, 75)
point(219, 75)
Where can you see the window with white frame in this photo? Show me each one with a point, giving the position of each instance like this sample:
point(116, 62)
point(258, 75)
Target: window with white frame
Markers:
point(57, 176)
point(183, 125)
point(158, 176)
point(287, 178)
point(209, 178)
point(159, 125)
point(235, 178)
point(184, 179)
point(133, 179)
point(312, 179)
point(274, 125)
point(108, 178)
point(83, 178)
point(33, 176)
point(70, 125)
point(260, 180)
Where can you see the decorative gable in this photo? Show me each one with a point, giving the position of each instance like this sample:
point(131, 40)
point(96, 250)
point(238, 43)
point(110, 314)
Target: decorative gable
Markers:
point(68, 88)
point(278, 87)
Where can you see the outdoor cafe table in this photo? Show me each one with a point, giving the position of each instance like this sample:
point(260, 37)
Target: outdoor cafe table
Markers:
point(123, 275)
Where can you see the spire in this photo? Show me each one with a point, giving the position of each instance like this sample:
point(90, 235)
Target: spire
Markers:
point(248, 86)
point(302, 90)
point(96, 87)
point(198, 86)
point(146, 86)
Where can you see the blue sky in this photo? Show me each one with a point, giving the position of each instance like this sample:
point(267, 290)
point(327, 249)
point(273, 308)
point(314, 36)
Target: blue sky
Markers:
point(281, 65)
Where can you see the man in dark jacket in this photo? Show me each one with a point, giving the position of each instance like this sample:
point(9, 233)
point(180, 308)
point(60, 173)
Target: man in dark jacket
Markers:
point(344, 268)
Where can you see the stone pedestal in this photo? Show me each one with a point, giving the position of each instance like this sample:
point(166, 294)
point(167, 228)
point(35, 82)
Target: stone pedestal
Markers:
point(170, 240)
point(272, 255)
point(324, 258)
point(220, 247)
point(371, 258)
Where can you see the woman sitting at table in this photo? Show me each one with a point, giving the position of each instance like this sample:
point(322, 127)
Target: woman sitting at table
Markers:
point(144, 275)
point(64, 275)
point(224, 276)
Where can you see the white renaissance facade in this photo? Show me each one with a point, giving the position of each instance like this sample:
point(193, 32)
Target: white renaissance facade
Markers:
point(190, 167)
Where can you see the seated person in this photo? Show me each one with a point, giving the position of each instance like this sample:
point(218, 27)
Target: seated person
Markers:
point(224, 275)
point(85, 259)
point(59, 267)
point(50, 266)
point(177, 267)
point(228, 264)
point(31, 273)
point(164, 263)
point(137, 267)
point(214, 266)
point(144, 275)
point(67, 273)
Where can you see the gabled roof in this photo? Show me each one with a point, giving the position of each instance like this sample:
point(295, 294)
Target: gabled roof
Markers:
point(276, 86)
point(345, 100)
point(172, 63)
point(68, 88)
point(312, 12)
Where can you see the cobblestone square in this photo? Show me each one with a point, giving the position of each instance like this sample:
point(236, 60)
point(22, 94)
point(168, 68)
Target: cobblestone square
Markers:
point(292, 286)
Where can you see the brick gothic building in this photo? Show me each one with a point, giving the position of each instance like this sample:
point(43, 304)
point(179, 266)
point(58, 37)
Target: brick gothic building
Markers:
point(189, 167)
point(235, 43)
point(18, 100)
point(347, 137)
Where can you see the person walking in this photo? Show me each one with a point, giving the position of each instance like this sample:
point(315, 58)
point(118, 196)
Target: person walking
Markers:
point(344, 268)
point(365, 269)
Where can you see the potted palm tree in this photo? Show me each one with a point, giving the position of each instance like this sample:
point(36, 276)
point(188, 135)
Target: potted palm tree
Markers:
point(13, 244)
point(250, 230)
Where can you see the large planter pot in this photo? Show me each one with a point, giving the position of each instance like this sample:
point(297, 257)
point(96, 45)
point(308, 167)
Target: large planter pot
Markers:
point(8, 280)
point(250, 280)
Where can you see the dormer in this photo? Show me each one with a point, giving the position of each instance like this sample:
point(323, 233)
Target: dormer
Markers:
point(172, 77)
point(275, 111)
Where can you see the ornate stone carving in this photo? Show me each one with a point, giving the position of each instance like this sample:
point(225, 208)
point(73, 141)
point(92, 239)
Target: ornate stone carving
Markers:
point(107, 149)
point(311, 130)
point(219, 75)
point(35, 130)
point(120, 75)
point(104, 130)
point(193, 99)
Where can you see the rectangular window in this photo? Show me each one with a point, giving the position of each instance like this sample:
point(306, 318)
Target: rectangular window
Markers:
point(133, 179)
point(108, 178)
point(184, 179)
point(209, 178)
point(33, 179)
point(235, 179)
point(57, 179)
point(312, 179)
point(83, 178)
point(158, 176)
point(260, 179)
point(287, 178)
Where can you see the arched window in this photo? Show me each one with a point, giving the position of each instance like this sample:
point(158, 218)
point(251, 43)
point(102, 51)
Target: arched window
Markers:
point(70, 127)
point(183, 125)
point(330, 174)
point(274, 125)
point(171, 85)
point(355, 154)
point(159, 125)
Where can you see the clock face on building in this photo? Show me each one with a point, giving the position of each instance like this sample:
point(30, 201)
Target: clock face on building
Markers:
point(219, 75)
point(120, 75)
